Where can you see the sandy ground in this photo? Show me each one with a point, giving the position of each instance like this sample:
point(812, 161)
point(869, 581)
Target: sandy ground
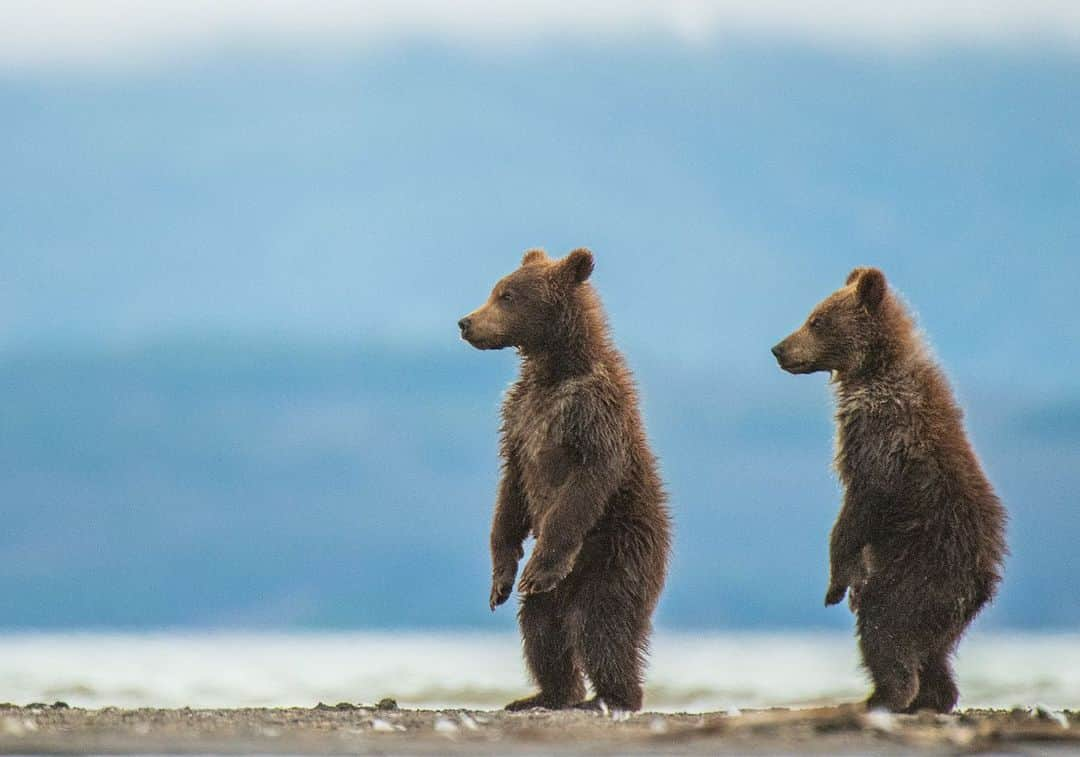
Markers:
point(356, 729)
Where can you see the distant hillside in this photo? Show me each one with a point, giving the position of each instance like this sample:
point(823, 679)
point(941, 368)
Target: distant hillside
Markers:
point(216, 482)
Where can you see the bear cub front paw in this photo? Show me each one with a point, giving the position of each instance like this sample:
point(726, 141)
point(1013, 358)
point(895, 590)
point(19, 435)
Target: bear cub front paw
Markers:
point(541, 576)
point(835, 593)
point(500, 592)
point(502, 584)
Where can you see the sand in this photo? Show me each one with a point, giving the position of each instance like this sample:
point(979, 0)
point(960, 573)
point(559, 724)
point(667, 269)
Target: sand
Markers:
point(385, 729)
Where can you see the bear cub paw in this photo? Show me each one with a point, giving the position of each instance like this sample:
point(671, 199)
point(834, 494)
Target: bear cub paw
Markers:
point(835, 594)
point(541, 576)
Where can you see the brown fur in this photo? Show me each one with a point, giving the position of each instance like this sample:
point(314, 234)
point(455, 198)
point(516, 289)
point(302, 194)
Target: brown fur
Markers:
point(578, 474)
point(919, 540)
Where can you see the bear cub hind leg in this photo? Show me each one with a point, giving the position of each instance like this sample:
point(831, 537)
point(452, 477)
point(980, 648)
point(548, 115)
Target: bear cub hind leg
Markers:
point(612, 651)
point(937, 687)
point(549, 653)
point(893, 666)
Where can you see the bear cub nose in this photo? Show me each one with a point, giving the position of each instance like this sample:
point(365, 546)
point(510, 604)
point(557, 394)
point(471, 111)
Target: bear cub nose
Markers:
point(776, 351)
point(463, 324)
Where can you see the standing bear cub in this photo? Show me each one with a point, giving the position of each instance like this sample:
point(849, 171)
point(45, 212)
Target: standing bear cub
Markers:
point(577, 473)
point(919, 541)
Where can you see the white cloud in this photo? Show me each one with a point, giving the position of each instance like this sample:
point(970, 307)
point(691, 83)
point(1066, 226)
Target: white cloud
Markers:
point(36, 33)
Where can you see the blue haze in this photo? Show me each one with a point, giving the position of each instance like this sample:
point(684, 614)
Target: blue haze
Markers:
point(232, 392)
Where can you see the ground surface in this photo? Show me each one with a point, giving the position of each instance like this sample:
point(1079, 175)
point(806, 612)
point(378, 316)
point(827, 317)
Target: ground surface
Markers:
point(386, 730)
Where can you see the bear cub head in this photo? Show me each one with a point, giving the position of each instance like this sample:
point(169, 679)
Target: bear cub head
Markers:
point(853, 329)
point(527, 308)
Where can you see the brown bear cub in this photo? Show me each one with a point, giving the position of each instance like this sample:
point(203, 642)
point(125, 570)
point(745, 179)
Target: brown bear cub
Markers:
point(919, 540)
point(577, 473)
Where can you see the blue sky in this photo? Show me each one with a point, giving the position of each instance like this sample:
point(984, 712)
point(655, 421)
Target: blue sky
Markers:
point(237, 237)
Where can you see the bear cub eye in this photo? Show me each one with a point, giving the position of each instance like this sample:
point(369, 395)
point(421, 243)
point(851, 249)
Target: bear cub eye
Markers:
point(506, 297)
point(814, 322)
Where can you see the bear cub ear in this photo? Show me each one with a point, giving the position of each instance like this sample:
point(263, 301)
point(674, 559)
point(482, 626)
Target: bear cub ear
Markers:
point(578, 265)
point(535, 255)
point(870, 286)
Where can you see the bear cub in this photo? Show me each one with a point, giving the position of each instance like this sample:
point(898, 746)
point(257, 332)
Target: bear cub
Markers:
point(919, 541)
point(578, 474)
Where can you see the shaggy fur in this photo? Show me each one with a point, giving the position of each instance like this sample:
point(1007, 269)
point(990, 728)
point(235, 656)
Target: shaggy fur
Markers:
point(919, 541)
point(578, 474)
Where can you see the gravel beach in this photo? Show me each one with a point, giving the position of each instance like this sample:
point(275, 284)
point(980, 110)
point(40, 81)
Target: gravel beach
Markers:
point(385, 729)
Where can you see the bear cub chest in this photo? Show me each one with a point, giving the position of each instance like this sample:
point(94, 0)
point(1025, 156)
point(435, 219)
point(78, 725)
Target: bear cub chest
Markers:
point(535, 428)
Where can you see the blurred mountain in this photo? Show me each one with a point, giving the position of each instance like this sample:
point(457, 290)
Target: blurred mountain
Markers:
point(231, 483)
point(230, 391)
